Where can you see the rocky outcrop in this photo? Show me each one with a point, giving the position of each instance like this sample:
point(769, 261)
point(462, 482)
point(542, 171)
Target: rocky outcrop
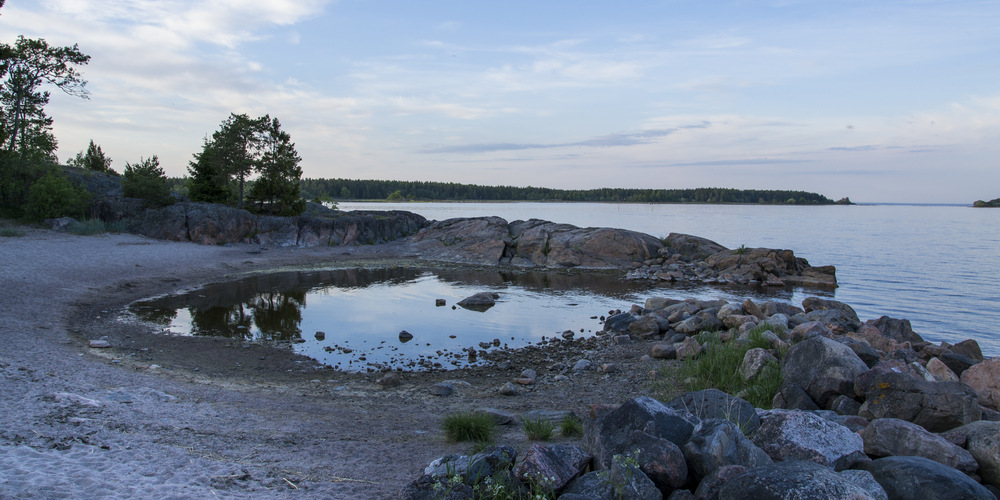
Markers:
point(532, 243)
point(214, 224)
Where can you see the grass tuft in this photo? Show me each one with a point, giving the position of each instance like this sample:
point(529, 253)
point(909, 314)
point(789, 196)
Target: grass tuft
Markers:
point(538, 429)
point(570, 426)
point(471, 426)
point(11, 232)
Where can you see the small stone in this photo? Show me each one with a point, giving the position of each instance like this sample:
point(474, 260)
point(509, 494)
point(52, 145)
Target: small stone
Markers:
point(100, 344)
point(442, 389)
point(582, 365)
point(405, 336)
point(524, 381)
point(388, 380)
point(622, 339)
point(440, 302)
point(320, 335)
point(508, 389)
point(663, 351)
point(568, 334)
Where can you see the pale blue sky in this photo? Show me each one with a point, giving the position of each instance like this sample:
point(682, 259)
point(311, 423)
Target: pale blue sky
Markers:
point(887, 101)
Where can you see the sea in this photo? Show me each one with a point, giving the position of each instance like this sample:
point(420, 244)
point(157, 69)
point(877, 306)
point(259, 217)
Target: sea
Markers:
point(937, 266)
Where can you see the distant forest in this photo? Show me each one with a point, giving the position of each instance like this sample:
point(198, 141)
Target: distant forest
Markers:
point(334, 189)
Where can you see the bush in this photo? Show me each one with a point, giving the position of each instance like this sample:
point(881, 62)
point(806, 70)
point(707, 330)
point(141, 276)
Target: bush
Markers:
point(87, 227)
point(147, 180)
point(570, 426)
point(55, 196)
point(11, 232)
point(471, 426)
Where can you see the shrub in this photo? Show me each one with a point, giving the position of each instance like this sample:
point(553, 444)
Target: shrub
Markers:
point(469, 426)
point(87, 227)
point(11, 232)
point(538, 429)
point(55, 196)
point(147, 180)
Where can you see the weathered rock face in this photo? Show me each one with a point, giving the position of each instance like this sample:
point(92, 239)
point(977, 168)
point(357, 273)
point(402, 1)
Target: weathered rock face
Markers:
point(718, 443)
point(691, 247)
point(982, 440)
point(480, 240)
point(824, 368)
point(799, 435)
point(553, 465)
point(214, 224)
point(935, 406)
point(985, 379)
point(611, 434)
point(887, 437)
point(715, 404)
point(918, 477)
point(796, 479)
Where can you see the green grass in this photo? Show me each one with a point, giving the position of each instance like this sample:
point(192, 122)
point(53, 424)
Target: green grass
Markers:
point(11, 232)
point(538, 429)
point(570, 426)
point(717, 368)
point(470, 426)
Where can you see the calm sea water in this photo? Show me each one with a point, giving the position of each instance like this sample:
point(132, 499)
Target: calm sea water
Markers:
point(937, 266)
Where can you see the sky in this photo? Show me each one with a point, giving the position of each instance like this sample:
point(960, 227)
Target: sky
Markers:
point(879, 101)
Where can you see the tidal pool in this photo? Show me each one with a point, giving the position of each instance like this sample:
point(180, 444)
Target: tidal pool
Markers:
point(351, 319)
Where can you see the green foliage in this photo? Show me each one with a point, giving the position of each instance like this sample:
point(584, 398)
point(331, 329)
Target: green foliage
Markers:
point(471, 426)
point(395, 196)
point(538, 429)
point(449, 191)
point(147, 180)
point(87, 227)
point(570, 426)
point(994, 203)
point(55, 196)
point(717, 368)
point(241, 148)
point(11, 232)
point(93, 159)
point(741, 250)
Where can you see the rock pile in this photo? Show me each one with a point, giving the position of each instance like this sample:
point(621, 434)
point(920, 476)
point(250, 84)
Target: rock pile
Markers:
point(866, 410)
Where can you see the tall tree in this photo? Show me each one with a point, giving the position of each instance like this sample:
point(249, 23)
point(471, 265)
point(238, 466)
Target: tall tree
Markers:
point(26, 66)
point(93, 159)
point(277, 190)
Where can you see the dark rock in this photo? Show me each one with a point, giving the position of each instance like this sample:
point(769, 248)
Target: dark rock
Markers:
point(808, 330)
point(548, 244)
point(480, 301)
point(896, 329)
point(501, 417)
point(479, 240)
point(796, 479)
point(921, 478)
point(958, 363)
point(713, 403)
point(845, 405)
point(607, 435)
point(552, 466)
point(663, 351)
point(823, 368)
point(619, 322)
point(969, 348)
point(793, 397)
point(935, 406)
point(405, 336)
point(770, 308)
point(662, 461)
point(799, 435)
point(691, 248)
point(718, 443)
point(893, 437)
point(442, 389)
point(711, 484)
point(982, 440)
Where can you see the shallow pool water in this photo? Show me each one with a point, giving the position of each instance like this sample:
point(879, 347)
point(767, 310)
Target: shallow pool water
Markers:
point(351, 319)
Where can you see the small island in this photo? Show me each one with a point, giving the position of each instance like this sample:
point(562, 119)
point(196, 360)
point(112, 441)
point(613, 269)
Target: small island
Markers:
point(994, 203)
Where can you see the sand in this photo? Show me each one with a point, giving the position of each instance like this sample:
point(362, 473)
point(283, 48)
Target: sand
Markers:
point(161, 417)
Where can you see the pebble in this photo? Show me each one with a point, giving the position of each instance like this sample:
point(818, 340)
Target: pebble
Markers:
point(529, 373)
point(582, 365)
point(442, 389)
point(508, 389)
point(100, 344)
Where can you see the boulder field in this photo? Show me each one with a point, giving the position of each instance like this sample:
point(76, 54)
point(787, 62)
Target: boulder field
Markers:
point(866, 410)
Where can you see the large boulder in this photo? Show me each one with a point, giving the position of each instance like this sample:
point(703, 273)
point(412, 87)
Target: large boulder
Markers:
point(713, 403)
point(898, 330)
point(985, 379)
point(801, 480)
point(800, 435)
point(622, 480)
point(610, 434)
point(718, 443)
point(887, 437)
point(935, 406)
point(478, 240)
point(831, 312)
point(982, 440)
point(548, 244)
point(553, 465)
point(663, 462)
point(924, 479)
point(691, 247)
point(822, 367)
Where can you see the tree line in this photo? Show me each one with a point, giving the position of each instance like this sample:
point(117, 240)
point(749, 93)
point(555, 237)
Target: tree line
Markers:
point(332, 189)
point(248, 162)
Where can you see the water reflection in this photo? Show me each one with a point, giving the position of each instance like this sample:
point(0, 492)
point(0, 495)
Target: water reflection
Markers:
point(362, 311)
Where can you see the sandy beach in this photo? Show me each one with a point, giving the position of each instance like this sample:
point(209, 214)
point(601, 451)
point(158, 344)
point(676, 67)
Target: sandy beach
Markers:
point(167, 417)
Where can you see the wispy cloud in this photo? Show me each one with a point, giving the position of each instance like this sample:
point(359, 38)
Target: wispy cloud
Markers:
point(605, 141)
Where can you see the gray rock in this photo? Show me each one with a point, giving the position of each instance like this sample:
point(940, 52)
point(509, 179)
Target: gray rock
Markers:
point(808, 330)
point(845, 315)
point(501, 417)
point(662, 461)
point(609, 434)
point(982, 440)
point(969, 348)
point(823, 368)
point(711, 484)
point(508, 389)
point(887, 437)
point(896, 329)
point(480, 301)
point(582, 365)
point(713, 403)
point(719, 443)
point(754, 362)
point(985, 379)
point(799, 435)
point(442, 389)
point(845, 405)
point(794, 479)
point(866, 481)
point(619, 323)
point(958, 363)
point(663, 351)
point(935, 406)
point(918, 477)
point(692, 247)
point(793, 397)
point(553, 465)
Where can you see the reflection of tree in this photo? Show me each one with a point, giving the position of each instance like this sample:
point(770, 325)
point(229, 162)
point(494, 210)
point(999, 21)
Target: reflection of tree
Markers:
point(233, 322)
point(278, 315)
point(158, 315)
